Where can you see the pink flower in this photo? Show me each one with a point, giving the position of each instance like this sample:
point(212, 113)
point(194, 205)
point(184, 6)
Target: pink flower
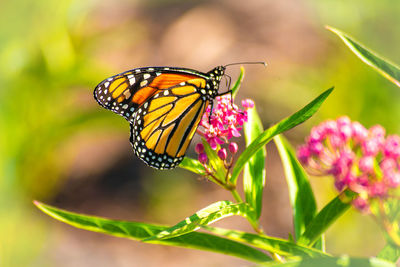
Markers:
point(225, 121)
point(248, 103)
point(222, 153)
point(203, 158)
point(360, 133)
point(359, 159)
point(392, 146)
point(199, 148)
point(303, 154)
point(366, 164)
point(361, 204)
point(233, 147)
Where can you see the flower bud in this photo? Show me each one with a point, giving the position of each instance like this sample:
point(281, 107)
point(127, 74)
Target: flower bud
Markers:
point(303, 154)
point(366, 164)
point(392, 178)
point(359, 131)
point(199, 148)
point(391, 147)
point(377, 189)
point(233, 147)
point(248, 103)
point(222, 153)
point(203, 158)
point(361, 204)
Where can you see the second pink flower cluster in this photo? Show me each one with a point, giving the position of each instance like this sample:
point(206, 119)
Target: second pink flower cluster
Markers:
point(363, 160)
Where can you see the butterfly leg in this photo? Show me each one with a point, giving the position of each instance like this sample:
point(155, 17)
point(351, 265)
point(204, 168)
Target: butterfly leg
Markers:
point(211, 111)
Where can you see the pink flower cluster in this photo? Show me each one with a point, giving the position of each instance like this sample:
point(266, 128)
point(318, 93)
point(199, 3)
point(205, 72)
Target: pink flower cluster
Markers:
point(225, 122)
point(363, 160)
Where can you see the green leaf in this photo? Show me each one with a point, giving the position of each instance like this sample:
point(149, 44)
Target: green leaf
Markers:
point(236, 86)
point(300, 193)
point(383, 66)
point(390, 252)
point(254, 171)
point(215, 161)
point(325, 218)
point(270, 244)
point(139, 231)
point(192, 165)
point(210, 214)
point(284, 125)
point(343, 261)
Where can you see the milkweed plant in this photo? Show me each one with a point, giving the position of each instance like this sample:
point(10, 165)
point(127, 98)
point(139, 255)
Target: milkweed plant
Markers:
point(363, 163)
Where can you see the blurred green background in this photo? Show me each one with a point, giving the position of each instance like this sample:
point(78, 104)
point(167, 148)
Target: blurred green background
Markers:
point(58, 146)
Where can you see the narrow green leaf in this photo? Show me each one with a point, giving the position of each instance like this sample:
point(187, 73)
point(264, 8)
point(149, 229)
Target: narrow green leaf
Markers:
point(192, 165)
point(254, 171)
point(139, 231)
point(343, 261)
point(210, 214)
point(236, 86)
point(215, 161)
point(300, 193)
point(270, 244)
point(390, 252)
point(383, 66)
point(284, 125)
point(325, 218)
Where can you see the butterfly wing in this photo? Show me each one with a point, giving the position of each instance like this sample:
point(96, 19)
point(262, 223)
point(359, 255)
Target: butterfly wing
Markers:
point(124, 93)
point(164, 126)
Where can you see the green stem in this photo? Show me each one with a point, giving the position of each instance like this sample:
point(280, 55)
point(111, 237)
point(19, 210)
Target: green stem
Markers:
point(236, 195)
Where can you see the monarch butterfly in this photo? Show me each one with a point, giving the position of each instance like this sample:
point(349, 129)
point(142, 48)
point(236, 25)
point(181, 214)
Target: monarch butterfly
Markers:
point(164, 106)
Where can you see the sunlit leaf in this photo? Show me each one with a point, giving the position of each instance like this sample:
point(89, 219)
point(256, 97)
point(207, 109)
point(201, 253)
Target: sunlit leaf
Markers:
point(210, 214)
point(328, 215)
point(383, 66)
point(390, 252)
point(216, 163)
point(300, 193)
point(254, 171)
point(343, 261)
point(139, 231)
point(270, 244)
point(239, 80)
point(284, 125)
point(192, 165)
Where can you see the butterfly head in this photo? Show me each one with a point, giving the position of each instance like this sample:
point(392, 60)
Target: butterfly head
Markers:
point(218, 71)
point(215, 75)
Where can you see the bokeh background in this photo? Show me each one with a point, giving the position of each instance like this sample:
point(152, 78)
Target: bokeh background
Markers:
point(58, 146)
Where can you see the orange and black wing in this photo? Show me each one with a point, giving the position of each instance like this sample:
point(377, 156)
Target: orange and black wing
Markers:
point(164, 125)
point(124, 93)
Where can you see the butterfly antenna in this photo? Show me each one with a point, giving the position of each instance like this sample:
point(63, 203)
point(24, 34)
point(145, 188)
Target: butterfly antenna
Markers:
point(247, 63)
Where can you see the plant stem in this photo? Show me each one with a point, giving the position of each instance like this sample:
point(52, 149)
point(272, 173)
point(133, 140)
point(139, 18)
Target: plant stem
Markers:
point(236, 195)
